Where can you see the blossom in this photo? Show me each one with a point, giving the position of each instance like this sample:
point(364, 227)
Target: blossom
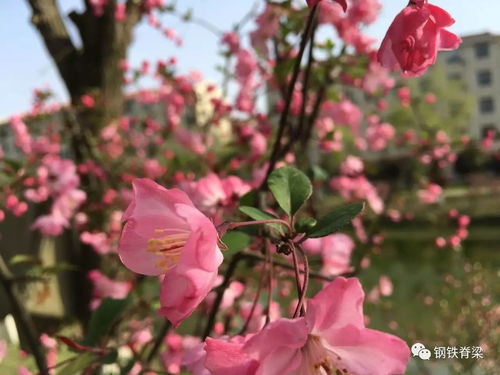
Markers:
point(165, 234)
point(312, 3)
point(415, 37)
point(430, 194)
point(331, 337)
point(335, 251)
point(104, 287)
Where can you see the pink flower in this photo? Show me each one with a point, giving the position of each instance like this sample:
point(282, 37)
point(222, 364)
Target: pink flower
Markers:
point(120, 12)
point(335, 252)
point(312, 3)
point(430, 194)
point(352, 166)
point(232, 41)
point(50, 225)
point(88, 101)
point(330, 338)
point(104, 287)
point(98, 241)
point(385, 286)
point(165, 234)
point(415, 37)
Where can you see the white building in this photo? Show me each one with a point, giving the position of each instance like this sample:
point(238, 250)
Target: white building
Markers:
point(477, 64)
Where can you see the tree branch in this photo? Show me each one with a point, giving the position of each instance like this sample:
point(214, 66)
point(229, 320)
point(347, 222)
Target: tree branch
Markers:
point(23, 319)
point(46, 17)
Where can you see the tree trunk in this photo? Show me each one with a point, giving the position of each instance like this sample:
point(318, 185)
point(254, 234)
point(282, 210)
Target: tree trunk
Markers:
point(91, 69)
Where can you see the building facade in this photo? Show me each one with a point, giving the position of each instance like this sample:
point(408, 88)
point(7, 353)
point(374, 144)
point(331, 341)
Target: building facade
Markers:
point(477, 64)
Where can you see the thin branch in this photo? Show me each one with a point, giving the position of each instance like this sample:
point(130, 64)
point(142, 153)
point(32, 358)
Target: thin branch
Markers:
point(254, 304)
point(305, 87)
point(277, 263)
point(158, 341)
point(300, 305)
point(231, 268)
point(270, 270)
point(22, 318)
point(291, 87)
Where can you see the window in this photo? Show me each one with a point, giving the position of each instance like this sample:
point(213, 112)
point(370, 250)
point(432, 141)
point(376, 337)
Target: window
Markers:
point(482, 50)
point(484, 78)
point(455, 59)
point(486, 105)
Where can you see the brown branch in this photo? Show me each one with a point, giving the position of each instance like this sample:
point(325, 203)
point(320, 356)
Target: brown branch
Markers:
point(23, 320)
point(275, 153)
point(46, 17)
point(231, 268)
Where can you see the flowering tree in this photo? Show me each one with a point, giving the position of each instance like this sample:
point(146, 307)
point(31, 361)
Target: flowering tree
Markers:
point(258, 190)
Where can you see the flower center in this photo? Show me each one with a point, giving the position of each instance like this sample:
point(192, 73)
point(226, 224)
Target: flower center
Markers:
point(318, 359)
point(168, 248)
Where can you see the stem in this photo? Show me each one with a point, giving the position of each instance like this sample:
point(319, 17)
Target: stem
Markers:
point(305, 86)
point(269, 261)
point(297, 279)
point(158, 341)
point(22, 318)
point(300, 305)
point(220, 293)
point(287, 266)
point(291, 87)
point(254, 304)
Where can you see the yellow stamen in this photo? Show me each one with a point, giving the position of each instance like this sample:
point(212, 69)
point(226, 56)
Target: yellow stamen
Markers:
point(168, 248)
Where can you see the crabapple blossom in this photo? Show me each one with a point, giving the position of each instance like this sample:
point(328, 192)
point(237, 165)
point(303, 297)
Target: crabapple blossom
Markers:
point(414, 38)
point(330, 337)
point(164, 234)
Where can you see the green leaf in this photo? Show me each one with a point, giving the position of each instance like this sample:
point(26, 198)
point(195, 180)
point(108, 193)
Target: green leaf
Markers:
point(23, 258)
point(236, 241)
point(102, 319)
point(304, 224)
point(290, 187)
point(257, 214)
point(78, 365)
point(335, 220)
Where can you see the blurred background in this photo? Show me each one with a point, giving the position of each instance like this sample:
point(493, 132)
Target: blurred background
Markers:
point(431, 265)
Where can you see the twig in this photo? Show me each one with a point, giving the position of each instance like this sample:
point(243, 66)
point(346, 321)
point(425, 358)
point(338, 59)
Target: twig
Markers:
point(269, 261)
point(305, 284)
point(305, 87)
point(220, 293)
point(158, 341)
point(254, 304)
point(22, 318)
point(287, 266)
point(300, 291)
point(291, 87)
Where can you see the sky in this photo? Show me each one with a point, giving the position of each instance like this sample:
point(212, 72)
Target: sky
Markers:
point(25, 65)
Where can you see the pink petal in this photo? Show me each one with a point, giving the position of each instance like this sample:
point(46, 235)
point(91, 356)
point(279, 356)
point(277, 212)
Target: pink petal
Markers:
point(441, 16)
point(201, 248)
point(448, 41)
point(227, 358)
point(182, 290)
point(340, 303)
point(368, 352)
